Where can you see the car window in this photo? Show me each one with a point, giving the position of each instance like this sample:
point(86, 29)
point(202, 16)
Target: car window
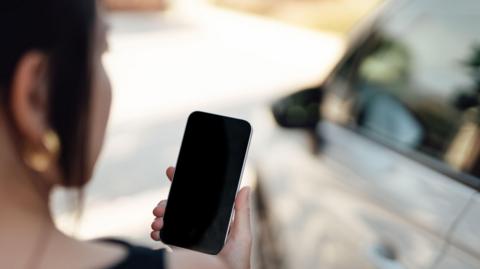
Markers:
point(383, 116)
point(415, 83)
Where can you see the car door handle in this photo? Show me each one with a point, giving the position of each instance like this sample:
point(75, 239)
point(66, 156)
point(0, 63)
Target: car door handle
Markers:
point(384, 257)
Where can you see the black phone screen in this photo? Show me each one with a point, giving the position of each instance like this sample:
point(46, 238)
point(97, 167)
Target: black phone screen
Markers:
point(205, 183)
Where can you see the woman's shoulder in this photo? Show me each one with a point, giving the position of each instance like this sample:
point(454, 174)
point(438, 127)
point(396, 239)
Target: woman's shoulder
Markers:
point(137, 256)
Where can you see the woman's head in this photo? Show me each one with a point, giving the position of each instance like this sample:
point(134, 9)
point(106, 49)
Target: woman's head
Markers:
point(52, 79)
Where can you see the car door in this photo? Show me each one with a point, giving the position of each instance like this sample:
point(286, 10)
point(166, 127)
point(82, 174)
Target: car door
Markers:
point(404, 133)
point(394, 172)
point(464, 248)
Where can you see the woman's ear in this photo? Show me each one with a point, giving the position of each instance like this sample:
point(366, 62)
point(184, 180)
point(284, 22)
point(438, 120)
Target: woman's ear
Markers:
point(29, 97)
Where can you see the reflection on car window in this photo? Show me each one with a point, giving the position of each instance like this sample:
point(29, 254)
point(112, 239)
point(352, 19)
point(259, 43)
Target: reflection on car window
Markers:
point(388, 119)
point(417, 84)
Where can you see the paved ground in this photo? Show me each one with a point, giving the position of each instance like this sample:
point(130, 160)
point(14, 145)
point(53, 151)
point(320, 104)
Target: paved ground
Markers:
point(165, 65)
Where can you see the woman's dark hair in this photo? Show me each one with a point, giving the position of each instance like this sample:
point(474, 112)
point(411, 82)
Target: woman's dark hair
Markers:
point(64, 31)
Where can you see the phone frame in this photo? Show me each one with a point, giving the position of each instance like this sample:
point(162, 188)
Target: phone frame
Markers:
point(232, 211)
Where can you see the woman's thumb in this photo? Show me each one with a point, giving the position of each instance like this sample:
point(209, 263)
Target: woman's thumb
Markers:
point(239, 244)
point(241, 229)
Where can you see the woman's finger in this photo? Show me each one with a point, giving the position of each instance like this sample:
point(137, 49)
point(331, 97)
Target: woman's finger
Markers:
point(159, 210)
point(162, 203)
point(170, 172)
point(155, 235)
point(157, 224)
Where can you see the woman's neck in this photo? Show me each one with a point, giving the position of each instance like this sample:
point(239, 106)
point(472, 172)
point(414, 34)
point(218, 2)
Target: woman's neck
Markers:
point(23, 195)
point(25, 218)
point(23, 199)
point(26, 225)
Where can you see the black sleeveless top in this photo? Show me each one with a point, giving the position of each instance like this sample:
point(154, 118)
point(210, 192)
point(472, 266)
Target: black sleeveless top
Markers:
point(138, 257)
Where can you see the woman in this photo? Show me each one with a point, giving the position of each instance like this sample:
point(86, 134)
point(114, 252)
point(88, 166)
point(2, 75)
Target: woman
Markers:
point(54, 105)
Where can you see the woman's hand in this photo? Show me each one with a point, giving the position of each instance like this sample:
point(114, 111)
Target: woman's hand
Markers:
point(236, 252)
point(159, 211)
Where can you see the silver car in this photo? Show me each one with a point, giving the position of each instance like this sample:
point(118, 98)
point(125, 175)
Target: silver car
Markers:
point(379, 167)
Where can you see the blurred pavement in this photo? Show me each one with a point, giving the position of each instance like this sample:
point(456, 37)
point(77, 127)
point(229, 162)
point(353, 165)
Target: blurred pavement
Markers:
point(165, 65)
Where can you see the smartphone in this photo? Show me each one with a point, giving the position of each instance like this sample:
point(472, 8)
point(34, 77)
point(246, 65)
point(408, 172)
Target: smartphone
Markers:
point(205, 183)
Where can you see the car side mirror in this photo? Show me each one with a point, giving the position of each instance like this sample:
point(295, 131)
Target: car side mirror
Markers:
point(298, 110)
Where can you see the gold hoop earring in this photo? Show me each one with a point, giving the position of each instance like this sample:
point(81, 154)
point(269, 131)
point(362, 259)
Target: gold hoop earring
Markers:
point(40, 161)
